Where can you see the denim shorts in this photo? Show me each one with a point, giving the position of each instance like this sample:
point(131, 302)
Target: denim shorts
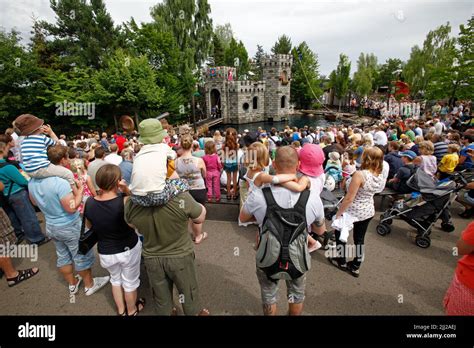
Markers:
point(66, 240)
point(269, 289)
point(231, 167)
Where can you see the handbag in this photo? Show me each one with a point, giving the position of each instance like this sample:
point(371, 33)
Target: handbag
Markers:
point(88, 239)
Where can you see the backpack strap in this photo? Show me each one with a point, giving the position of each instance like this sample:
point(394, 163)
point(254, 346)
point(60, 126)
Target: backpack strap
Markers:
point(269, 199)
point(302, 200)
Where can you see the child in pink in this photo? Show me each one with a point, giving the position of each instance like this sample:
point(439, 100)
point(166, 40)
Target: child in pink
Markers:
point(213, 171)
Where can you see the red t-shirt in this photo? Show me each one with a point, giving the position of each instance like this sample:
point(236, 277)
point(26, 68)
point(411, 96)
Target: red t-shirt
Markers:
point(465, 268)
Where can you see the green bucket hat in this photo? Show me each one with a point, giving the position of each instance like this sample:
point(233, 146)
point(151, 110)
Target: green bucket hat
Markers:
point(151, 132)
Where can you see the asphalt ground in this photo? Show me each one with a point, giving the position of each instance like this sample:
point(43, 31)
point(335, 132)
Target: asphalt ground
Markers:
point(397, 278)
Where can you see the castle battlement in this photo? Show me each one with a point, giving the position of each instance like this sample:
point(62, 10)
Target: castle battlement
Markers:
point(277, 60)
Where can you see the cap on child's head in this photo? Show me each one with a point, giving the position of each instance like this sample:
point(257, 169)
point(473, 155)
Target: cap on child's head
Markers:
point(410, 154)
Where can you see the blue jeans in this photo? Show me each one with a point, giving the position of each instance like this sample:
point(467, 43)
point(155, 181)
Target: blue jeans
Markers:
point(66, 240)
point(23, 217)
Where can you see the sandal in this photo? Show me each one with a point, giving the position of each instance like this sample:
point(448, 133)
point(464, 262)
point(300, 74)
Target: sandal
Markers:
point(204, 313)
point(124, 314)
point(203, 236)
point(140, 301)
point(352, 270)
point(334, 262)
point(22, 275)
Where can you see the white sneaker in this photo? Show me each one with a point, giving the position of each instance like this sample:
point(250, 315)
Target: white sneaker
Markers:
point(99, 283)
point(73, 289)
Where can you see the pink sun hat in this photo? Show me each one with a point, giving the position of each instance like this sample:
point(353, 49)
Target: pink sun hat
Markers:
point(311, 160)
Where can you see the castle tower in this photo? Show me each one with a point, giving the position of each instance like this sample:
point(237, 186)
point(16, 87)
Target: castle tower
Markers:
point(216, 88)
point(277, 77)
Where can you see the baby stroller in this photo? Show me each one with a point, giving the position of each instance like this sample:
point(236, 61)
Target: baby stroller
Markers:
point(330, 204)
point(423, 214)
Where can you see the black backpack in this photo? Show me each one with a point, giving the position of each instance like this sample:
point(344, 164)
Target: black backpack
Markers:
point(4, 198)
point(282, 252)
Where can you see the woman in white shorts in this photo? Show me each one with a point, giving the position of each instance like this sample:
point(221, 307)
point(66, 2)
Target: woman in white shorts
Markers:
point(118, 245)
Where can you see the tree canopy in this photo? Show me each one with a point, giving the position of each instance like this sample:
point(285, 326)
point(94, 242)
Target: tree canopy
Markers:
point(305, 77)
point(282, 46)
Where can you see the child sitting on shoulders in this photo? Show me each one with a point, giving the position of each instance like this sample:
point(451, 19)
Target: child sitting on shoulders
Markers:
point(256, 159)
point(34, 149)
point(154, 181)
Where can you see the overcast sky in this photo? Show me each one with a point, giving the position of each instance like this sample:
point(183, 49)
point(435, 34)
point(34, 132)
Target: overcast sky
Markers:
point(387, 28)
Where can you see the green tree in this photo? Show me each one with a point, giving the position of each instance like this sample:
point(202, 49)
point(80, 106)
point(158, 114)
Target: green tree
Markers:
point(257, 68)
point(164, 56)
point(60, 87)
point(237, 56)
point(340, 78)
point(282, 46)
point(18, 75)
point(218, 52)
point(305, 77)
point(436, 53)
point(365, 77)
point(83, 33)
point(225, 34)
point(455, 78)
point(388, 72)
point(190, 23)
point(127, 84)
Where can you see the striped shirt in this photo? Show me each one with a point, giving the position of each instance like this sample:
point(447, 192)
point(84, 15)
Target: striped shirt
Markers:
point(440, 149)
point(34, 152)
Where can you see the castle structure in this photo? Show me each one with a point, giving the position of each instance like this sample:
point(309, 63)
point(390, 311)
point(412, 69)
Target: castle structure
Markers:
point(247, 101)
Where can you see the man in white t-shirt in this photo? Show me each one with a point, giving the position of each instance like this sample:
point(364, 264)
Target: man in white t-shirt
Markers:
point(439, 127)
point(255, 209)
point(380, 137)
point(113, 158)
point(62, 140)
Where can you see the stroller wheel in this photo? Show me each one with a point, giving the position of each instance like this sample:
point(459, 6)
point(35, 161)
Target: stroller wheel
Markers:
point(447, 227)
point(385, 216)
point(383, 229)
point(423, 241)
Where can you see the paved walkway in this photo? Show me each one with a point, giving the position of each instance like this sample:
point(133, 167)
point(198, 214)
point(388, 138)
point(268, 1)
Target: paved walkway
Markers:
point(395, 270)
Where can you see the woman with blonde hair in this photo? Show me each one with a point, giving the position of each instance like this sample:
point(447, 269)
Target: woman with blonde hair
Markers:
point(218, 140)
point(193, 169)
point(79, 170)
point(91, 153)
point(359, 204)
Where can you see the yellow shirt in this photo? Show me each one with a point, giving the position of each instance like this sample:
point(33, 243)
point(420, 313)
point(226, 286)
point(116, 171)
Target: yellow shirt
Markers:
point(448, 163)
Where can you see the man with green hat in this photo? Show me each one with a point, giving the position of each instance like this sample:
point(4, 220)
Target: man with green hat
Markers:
point(168, 249)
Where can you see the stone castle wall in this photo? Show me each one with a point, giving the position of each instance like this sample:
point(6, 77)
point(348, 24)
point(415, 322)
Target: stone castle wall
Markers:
point(251, 101)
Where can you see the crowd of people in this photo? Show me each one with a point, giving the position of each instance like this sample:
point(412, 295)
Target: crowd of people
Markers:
point(144, 196)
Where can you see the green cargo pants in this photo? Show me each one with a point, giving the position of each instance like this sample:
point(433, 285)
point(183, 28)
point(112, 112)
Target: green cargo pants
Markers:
point(163, 273)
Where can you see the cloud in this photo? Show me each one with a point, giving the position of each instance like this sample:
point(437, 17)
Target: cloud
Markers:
point(387, 28)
